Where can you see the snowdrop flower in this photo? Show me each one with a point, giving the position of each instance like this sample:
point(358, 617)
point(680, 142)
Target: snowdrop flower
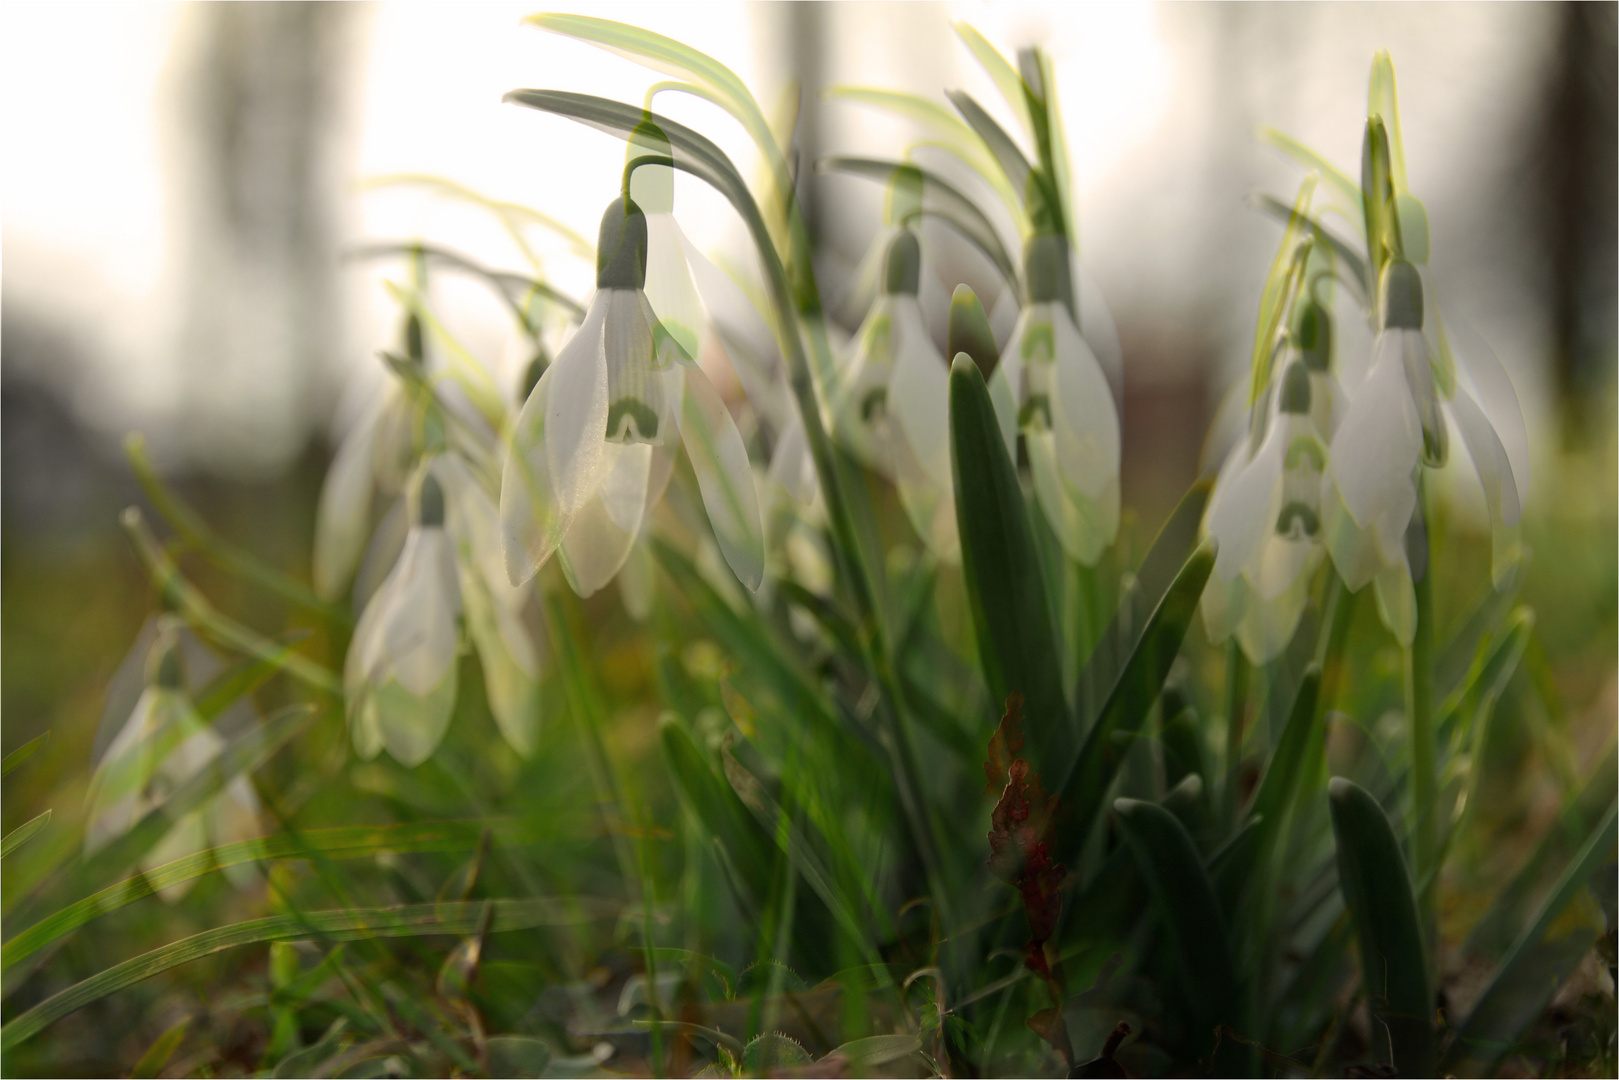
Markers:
point(163, 744)
point(593, 447)
point(399, 681)
point(1266, 515)
point(1050, 386)
point(891, 407)
point(375, 455)
point(1400, 418)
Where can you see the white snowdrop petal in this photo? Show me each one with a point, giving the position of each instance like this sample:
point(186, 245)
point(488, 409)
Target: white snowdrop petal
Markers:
point(1354, 550)
point(1489, 457)
point(858, 402)
point(622, 488)
point(575, 403)
point(1083, 414)
point(1004, 393)
point(344, 510)
point(669, 286)
point(412, 725)
point(510, 667)
point(393, 447)
point(747, 338)
point(532, 519)
point(929, 502)
point(1096, 324)
point(724, 476)
point(188, 836)
point(594, 548)
point(1498, 400)
point(420, 635)
point(1380, 439)
point(1222, 607)
point(1268, 624)
point(1059, 510)
point(791, 464)
point(919, 395)
point(382, 553)
point(1397, 603)
point(1243, 516)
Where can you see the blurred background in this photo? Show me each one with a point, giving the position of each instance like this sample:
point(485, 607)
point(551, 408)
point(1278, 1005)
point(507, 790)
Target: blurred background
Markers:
point(181, 185)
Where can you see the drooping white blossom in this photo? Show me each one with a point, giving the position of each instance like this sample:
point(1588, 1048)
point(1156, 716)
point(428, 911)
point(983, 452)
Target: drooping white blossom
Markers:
point(1050, 387)
point(593, 446)
point(163, 744)
point(890, 405)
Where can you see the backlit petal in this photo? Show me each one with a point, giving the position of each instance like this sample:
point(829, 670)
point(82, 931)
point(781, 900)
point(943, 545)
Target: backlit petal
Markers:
point(1380, 440)
point(724, 476)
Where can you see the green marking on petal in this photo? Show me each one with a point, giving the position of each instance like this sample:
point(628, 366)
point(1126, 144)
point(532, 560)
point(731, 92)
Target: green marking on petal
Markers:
point(874, 404)
point(631, 420)
point(1297, 514)
point(1306, 447)
point(1038, 405)
point(671, 343)
point(1039, 343)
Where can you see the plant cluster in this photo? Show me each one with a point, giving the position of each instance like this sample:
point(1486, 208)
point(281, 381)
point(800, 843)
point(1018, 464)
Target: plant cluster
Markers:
point(941, 778)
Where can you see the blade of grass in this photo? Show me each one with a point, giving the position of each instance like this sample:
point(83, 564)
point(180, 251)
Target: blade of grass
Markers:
point(189, 524)
point(348, 842)
point(354, 924)
point(19, 836)
point(20, 755)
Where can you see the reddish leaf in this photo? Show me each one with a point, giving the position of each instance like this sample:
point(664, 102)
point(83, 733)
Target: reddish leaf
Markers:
point(1004, 745)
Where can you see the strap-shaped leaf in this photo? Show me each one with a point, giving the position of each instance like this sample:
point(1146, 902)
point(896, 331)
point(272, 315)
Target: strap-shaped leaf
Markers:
point(1006, 77)
point(1039, 196)
point(23, 753)
point(339, 843)
point(947, 204)
point(353, 924)
point(1377, 888)
point(1346, 191)
point(1129, 702)
point(1170, 549)
point(1279, 287)
point(1534, 967)
point(1352, 259)
point(1185, 896)
point(19, 836)
point(1280, 782)
point(1006, 590)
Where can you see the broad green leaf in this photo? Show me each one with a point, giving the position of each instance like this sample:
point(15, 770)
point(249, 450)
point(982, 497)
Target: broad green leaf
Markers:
point(347, 842)
point(1345, 189)
point(948, 204)
point(1280, 783)
point(1377, 889)
point(1534, 966)
point(1006, 77)
point(157, 1055)
point(1131, 699)
point(23, 753)
point(353, 924)
point(1182, 891)
point(1006, 591)
point(19, 836)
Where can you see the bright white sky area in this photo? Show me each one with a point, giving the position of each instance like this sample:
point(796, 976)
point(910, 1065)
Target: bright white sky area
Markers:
point(1160, 103)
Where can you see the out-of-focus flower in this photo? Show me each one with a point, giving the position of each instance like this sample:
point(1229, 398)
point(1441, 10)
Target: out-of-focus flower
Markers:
point(1400, 419)
point(375, 455)
point(594, 444)
point(1266, 515)
point(163, 744)
point(1050, 386)
point(891, 405)
point(400, 677)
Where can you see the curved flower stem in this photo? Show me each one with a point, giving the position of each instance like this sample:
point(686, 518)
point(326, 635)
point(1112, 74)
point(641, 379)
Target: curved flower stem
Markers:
point(1419, 661)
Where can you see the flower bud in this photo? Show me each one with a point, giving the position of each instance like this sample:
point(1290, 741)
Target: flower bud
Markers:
point(430, 503)
point(970, 332)
point(902, 265)
point(621, 247)
point(1402, 296)
point(1047, 270)
point(1296, 389)
point(1312, 332)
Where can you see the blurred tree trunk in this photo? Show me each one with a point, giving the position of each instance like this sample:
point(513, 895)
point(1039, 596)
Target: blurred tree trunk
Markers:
point(262, 104)
point(1578, 192)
